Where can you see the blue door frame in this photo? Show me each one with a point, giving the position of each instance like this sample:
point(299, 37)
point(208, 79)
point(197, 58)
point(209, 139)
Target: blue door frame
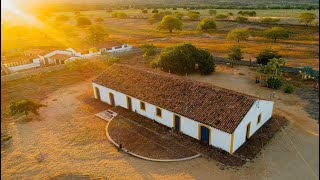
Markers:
point(177, 122)
point(204, 134)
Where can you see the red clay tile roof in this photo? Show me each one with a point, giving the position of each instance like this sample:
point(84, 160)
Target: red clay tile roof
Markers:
point(217, 107)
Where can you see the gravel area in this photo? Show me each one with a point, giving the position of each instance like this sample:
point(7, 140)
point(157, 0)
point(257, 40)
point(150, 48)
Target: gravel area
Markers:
point(312, 97)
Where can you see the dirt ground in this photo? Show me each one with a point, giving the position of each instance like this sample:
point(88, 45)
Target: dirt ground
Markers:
point(68, 139)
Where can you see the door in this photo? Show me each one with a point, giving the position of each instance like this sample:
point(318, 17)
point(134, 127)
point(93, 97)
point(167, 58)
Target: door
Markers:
point(248, 131)
point(97, 93)
point(204, 134)
point(57, 61)
point(111, 97)
point(46, 61)
point(129, 104)
point(177, 122)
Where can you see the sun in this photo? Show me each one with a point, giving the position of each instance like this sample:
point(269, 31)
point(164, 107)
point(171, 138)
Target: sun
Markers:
point(7, 5)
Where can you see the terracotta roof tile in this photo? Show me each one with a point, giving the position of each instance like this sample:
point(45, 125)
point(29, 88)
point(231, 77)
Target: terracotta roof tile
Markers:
point(214, 106)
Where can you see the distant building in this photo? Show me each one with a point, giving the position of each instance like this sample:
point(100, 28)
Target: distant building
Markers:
point(112, 47)
point(220, 117)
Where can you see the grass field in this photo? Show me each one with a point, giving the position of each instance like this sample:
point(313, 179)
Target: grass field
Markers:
point(302, 48)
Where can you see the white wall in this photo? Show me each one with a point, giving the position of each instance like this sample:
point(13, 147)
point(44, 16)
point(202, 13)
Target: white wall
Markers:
point(24, 67)
point(189, 127)
point(260, 106)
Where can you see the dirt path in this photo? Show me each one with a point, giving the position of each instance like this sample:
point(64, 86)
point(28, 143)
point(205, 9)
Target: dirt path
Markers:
point(71, 139)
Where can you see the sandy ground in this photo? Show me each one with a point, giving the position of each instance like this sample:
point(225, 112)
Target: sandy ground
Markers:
point(71, 139)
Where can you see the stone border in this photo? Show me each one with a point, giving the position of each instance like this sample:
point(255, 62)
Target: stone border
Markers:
point(146, 158)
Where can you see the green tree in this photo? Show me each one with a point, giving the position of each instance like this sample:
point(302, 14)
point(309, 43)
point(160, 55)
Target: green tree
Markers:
point(234, 54)
point(193, 15)
point(212, 12)
point(155, 18)
point(24, 106)
point(182, 58)
point(266, 54)
point(82, 21)
point(148, 50)
point(307, 18)
point(207, 25)
point(238, 35)
point(96, 34)
point(144, 11)
point(167, 12)
point(120, 15)
point(170, 23)
point(276, 33)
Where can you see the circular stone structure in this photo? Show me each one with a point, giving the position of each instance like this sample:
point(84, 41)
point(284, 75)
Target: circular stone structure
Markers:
point(144, 143)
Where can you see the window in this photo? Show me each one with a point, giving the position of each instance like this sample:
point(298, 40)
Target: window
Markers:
point(142, 106)
point(158, 112)
point(259, 119)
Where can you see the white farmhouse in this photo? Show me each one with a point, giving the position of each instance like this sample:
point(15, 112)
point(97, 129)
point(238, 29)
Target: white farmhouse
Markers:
point(113, 47)
point(220, 117)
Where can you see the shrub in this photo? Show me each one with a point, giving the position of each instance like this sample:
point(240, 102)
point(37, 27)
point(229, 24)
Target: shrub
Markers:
point(62, 18)
point(5, 138)
point(239, 34)
point(274, 83)
point(82, 21)
point(155, 11)
point(148, 50)
point(120, 15)
point(99, 19)
point(174, 8)
point(113, 60)
point(167, 12)
point(288, 88)
point(207, 25)
point(178, 15)
point(85, 65)
point(221, 16)
point(266, 54)
point(24, 106)
point(247, 13)
point(242, 19)
point(144, 11)
point(230, 14)
point(234, 54)
point(193, 15)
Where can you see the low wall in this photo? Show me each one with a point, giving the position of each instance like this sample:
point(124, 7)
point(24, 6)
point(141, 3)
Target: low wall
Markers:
point(19, 75)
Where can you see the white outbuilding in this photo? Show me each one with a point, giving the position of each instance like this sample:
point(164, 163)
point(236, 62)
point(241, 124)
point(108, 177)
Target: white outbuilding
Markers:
point(220, 117)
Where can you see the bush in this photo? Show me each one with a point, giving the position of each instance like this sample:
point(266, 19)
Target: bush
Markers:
point(99, 19)
point(288, 88)
point(85, 65)
point(274, 83)
point(155, 11)
point(82, 21)
point(266, 54)
point(113, 60)
point(212, 12)
point(24, 106)
point(242, 19)
point(247, 13)
point(193, 15)
point(221, 16)
point(145, 11)
point(148, 50)
point(120, 15)
point(170, 23)
point(167, 12)
point(5, 138)
point(207, 25)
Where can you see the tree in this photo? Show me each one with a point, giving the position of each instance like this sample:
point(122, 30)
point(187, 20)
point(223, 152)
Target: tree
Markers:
point(182, 58)
point(239, 34)
point(155, 18)
point(170, 23)
point(77, 13)
point(307, 18)
point(271, 71)
point(234, 54)
point(167, 12)
point(120, 15)
point(155, 11)
point(148, 50)
point(82, 21)
point(174, 8)
point(62, 18)
point(144, 11)
point(212, 12)
point(109, 10)
point(96, 34)
point(276, 33)
point(266, 54)
point(69, 31)
point(193, 15)
point(207, 25)
point(270, 20)
point(24, 106)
